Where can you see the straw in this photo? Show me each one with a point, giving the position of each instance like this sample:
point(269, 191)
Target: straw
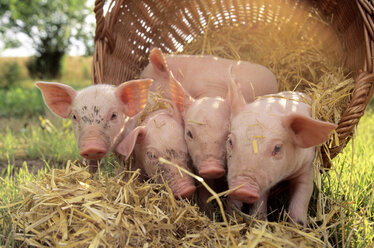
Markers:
point(82, 211)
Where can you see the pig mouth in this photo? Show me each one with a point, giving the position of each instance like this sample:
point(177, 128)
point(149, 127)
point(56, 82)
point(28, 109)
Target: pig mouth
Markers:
point(247, 193)
point(212, 169)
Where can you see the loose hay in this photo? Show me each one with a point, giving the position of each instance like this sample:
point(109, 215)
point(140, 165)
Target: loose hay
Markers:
point(156, 101)
point(70, 208)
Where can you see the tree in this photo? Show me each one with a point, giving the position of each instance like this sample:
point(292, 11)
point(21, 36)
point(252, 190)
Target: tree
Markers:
point(51, 25)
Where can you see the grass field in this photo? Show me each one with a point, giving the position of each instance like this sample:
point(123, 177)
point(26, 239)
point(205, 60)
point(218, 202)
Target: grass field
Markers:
point(350, 185)
point(32, 141)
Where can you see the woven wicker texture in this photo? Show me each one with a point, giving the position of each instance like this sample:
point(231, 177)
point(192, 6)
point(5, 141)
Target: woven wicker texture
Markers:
point(126, 33)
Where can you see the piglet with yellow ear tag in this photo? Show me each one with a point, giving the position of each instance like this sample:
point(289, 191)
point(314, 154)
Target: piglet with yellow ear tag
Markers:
point(273, 139)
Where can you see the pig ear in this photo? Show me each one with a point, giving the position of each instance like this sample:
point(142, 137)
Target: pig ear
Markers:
point(58, 97)
point(181, 98)
point(235, 98)
point(133, 94)
point(306, 131)
point(157, 59)
point(126, 146)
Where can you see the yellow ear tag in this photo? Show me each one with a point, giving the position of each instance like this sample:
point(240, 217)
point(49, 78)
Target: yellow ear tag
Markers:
point(255, 147)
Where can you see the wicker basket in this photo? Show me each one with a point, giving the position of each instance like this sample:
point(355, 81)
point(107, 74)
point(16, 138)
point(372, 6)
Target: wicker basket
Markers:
point(126, 33)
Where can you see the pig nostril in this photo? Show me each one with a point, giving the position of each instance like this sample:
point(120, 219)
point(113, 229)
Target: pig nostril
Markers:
point(94, 153)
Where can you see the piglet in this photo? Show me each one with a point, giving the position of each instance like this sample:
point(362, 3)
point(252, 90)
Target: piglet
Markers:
point(160, 134)
point(271, 140)
point(98, 112)
point(198, 85)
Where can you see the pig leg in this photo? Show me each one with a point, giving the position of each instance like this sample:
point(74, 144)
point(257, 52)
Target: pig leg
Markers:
point(301, 191)
point(259, 207)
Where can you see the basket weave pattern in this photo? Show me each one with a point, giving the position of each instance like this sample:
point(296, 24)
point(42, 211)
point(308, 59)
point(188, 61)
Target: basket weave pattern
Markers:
point(126, 33)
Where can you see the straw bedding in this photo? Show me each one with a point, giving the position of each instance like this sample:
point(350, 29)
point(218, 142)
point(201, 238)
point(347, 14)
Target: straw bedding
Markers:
point(71, 208)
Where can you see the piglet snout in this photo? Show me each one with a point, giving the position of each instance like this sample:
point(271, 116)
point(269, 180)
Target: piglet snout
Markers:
point(93, 153)
point(183, 187)
point(212, 169)
point(93, 150)
point(248, 193)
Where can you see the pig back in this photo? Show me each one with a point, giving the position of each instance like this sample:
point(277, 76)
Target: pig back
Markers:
point(208, 76)
point(283, 103)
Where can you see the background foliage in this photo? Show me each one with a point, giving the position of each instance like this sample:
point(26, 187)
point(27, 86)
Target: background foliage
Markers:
point(52, 26)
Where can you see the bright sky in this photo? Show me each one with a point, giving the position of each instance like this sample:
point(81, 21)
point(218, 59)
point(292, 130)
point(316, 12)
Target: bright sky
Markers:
point(24, 51)
point(77, 48)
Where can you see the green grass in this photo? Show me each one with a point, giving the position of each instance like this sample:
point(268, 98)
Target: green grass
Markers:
point(40, 139)
point(26, 100)
point(21, 102)
point(350, 185)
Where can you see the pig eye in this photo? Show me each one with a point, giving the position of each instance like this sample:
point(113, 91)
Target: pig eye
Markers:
point(151, 155)
point(74, 117)
point(189, 134)
point(113, 117)
point(276, 150)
